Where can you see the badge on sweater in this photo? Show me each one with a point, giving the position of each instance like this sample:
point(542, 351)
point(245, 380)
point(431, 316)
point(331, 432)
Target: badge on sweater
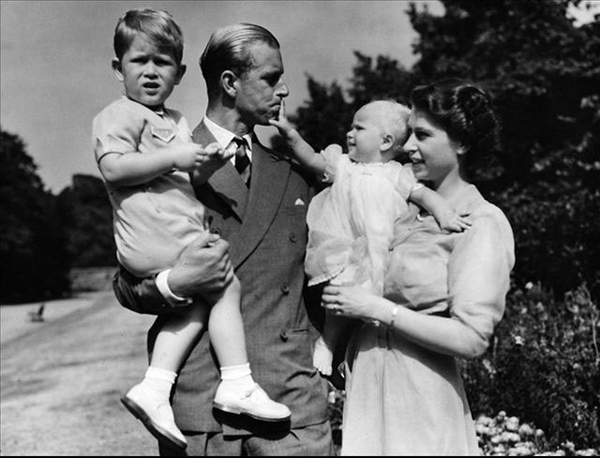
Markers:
point(166, 135)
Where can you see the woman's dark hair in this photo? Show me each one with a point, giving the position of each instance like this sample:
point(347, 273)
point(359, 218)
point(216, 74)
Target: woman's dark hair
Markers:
point(464, 110)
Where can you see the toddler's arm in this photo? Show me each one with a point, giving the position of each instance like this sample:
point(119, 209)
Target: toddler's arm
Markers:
point(216, 157)
point(301, 150)
point(439, 208)
point(134, 168)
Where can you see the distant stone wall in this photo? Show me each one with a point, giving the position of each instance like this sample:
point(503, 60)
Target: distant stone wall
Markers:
point(91, 278)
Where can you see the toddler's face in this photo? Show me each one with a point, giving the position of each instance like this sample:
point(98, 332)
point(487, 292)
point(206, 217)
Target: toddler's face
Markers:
point(148, 72)
point(366, 135)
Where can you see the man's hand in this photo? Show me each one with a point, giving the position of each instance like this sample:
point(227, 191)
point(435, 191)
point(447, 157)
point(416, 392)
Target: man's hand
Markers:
point(203, 268)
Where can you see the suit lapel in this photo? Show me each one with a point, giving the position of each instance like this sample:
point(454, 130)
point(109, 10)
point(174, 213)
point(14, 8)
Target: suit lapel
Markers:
point(256, 208)
point(270, 175)
point(226, 182)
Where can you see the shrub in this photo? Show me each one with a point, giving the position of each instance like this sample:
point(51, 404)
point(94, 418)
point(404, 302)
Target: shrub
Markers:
point(543, 366)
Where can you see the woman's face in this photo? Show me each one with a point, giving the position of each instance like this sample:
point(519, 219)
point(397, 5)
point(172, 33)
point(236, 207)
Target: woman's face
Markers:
point(433, 154)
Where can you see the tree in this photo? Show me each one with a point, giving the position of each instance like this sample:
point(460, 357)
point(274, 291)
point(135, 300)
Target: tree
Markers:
point(32, 244)
point(544, 74)
point(85, 212)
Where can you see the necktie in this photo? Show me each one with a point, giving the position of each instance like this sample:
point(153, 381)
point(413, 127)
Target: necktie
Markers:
point(242, 162)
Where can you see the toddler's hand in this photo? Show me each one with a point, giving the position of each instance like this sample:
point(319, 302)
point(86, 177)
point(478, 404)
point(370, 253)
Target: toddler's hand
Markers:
point(454, 222)
point(188, 156)
point(192, 156)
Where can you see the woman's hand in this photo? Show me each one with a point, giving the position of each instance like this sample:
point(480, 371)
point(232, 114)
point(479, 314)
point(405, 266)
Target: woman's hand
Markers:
point(351, 301)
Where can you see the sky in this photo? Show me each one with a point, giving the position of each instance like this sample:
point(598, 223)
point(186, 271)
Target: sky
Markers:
point(55, 56)
point(56, 76)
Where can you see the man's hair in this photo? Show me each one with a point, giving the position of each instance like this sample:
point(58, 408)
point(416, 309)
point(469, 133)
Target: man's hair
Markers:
point(227, 49)
point(157, 25)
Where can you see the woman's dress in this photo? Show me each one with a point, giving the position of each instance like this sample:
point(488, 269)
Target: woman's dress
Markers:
point(403, 399)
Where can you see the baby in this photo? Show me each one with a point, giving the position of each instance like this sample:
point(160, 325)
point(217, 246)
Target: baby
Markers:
point(145, 153)
point(351, 222)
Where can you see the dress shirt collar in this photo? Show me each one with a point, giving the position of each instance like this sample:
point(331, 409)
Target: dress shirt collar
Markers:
point(225, 137)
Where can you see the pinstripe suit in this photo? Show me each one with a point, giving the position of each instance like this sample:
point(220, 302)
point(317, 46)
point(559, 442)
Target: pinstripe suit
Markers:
point(266, 229)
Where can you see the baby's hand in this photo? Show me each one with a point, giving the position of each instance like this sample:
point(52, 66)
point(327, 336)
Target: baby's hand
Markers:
point(282, 123)
point(454, 222)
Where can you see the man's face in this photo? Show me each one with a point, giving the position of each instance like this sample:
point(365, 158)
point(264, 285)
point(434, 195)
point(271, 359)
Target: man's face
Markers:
point(260, 90)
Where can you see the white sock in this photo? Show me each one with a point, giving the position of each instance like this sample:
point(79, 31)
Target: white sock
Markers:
point(240, 375)
point(159, 380)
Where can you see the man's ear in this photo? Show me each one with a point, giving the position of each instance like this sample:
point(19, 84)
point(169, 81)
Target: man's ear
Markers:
point(229, 82)
point(116, 66)
point(180, 73)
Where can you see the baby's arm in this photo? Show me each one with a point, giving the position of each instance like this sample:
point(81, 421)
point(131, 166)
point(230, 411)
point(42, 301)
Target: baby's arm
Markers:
point(131, 169)
point(439, 208)
point(302, 151)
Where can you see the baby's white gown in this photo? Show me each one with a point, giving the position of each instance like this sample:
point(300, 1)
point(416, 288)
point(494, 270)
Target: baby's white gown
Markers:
point(351, 222)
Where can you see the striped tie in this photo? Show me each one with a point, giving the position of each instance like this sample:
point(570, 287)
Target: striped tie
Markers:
point(242, 162)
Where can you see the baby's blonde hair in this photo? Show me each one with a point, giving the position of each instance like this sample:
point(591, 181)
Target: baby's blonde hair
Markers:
point(394, 121)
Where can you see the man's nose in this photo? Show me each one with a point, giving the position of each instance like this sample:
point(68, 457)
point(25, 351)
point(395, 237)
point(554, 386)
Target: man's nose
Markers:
point(282, 89)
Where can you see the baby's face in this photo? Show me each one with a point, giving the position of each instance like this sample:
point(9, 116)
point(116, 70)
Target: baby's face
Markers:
point(148, 72)
point(366, 135)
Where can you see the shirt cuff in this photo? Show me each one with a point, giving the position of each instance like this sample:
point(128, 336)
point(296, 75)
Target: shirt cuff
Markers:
point(170, 296)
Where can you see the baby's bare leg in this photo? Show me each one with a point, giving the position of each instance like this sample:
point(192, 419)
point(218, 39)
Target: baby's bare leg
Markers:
point(333, 330)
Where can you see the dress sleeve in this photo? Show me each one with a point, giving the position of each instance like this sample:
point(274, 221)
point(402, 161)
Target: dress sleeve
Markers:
point(116, 130)
point(407, 182)
point(332, 155)
point(479, 271)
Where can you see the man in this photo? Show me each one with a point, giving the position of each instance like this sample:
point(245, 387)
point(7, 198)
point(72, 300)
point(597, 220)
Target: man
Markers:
point(260, 213)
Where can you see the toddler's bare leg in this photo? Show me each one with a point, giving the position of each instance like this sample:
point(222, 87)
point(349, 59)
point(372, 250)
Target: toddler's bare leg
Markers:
point(238, 393)
point(149, 400)
point(227, 328)
point(177, 336)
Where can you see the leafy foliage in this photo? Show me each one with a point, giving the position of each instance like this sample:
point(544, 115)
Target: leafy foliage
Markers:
point(544, 74)
point(544, 365)
point(85, 210)
point(32, 244)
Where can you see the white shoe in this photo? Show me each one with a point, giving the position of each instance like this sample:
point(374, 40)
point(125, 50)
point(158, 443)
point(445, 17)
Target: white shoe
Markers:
point(253, 402)
point(155, 414)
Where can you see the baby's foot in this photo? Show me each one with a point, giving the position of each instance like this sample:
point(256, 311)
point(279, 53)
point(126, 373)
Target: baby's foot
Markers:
point(323, 357)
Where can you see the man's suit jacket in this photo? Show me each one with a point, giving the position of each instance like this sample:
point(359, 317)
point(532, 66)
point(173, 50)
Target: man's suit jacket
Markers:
point(266, 229)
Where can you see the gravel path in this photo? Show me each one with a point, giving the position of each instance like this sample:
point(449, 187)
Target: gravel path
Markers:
point(61, 379)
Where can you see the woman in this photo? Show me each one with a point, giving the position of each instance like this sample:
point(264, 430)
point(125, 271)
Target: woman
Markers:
point(444, 293)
